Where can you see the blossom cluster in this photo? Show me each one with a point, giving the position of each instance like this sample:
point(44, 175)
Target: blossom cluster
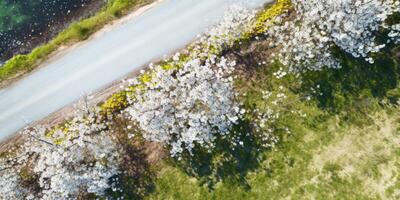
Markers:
point(236, 21)
point(194, 103)
point(80, 158)
point(10, 180)
point(186, 106)
point(394, 34)
point(270, 112)
point(319, 25)
point(182, 107)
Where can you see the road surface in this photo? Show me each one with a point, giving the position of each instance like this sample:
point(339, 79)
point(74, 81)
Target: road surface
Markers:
point(162, 29)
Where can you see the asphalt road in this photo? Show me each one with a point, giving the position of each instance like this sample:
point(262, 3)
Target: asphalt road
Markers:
point(161, 30)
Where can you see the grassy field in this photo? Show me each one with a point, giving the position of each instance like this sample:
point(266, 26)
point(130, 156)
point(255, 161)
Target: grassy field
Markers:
point(331, 161)
point(76, 32)
point(341, 144)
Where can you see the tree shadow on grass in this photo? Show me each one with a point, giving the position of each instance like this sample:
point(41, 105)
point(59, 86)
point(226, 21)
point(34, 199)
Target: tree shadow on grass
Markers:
point(358, 86)
point(228, 162)
point(138, 158)
point(358, 81)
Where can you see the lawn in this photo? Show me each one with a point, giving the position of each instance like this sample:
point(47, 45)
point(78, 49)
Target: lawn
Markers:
point(343, 143)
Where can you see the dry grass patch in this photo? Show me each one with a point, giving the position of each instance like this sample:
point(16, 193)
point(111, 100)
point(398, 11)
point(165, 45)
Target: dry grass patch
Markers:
point(369, 154)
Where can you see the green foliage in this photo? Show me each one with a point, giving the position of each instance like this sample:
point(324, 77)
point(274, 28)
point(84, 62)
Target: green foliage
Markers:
point(11, 16)
point(394, 95)
point(115, 103)
point(265, 18)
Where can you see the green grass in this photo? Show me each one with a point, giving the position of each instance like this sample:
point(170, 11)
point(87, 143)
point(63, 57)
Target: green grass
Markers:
point(346, 147)
point(296, 170)
point(326, 157)
point(76, 32)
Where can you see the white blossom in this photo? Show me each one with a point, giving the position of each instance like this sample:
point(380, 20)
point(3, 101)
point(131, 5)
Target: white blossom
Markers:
point(394, 34)
point(81, 159)
point(10, 185)
point(235, 22)
point(187, 106)
point(319, 25)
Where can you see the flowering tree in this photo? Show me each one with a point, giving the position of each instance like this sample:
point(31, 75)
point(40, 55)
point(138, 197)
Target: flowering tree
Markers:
point(394, 34)
point(186, 106)
point(319, 25)
point(191, 105)
point(192, 102)
point(84, 163)
point(10, 184)
point(183, 107)
point(80, 158)
point(234, 24)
